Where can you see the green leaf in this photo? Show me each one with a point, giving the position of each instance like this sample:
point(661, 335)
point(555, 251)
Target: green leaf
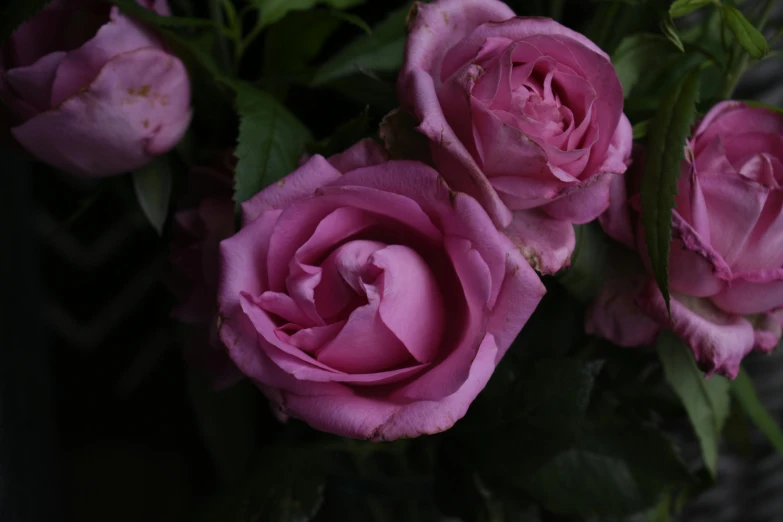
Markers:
point(132, 8)
point(748, 36)
point(345, 135)
point(528, 414)
point(640, 129)
point(585, 277)
point(743, 391)
point(670, 32)
point(273, 10)
point(294, 41)
point(381, 51)
point(705, 400)
point(683, 7)
point(16, 13)
point(667, 132)
point(617, 467)
point(228, 423)
point(637, 55)
point(152, 185)
point(285, 485)
point(271, 141)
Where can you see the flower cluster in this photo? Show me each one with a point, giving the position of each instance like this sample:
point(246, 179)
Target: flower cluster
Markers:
point(374, 297)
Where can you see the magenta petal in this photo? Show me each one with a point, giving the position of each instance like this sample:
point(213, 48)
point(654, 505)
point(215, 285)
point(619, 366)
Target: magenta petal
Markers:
point(764, 248)
point(435, 28)
point(365, 344)
point(449, 373)
point(310, 340)
point(338, 409)
point(302, 182)
point(719, 341)
point(546, 243)
point(752, 293)
point(734, 205)
point(364, 153)
point(521, 293)
point(616, 220)
point(34, 82)
point(454, 161)
point(284, 307)
point(411, 304)
point(81, 66)
point(105, 130)
point(584, 202)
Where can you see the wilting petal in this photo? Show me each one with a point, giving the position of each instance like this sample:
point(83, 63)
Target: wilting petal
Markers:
point(546, 243)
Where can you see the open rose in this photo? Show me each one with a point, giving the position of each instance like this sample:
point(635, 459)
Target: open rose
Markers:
point(521, 113)
point(726, 263)
point(91, 91)
point(375, 303)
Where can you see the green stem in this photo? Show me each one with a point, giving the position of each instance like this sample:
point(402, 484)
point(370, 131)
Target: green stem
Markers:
point(216, 14)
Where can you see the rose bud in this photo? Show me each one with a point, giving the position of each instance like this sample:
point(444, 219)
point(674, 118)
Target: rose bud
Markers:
point(91, 91)
point(366, 298)
point(523, 114)
point(726, 261)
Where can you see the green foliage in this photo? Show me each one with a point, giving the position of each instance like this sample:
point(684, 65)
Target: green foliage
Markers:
point(271, 141)
point(345, 135)
point(637, 55)
point(745, 394)
point(747, 36)
point(152, 185)
point(670, 32)
point(381, 51)
point(667, 132)
point(270, 11)
point(705, 400)
point(683, 7)
point(285, 485)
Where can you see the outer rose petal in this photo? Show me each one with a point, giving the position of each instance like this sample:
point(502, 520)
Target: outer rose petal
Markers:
point(546, 243)
point(35, 82)
point(752, 293)
point(81, 66)
point(364, 153)
point(768, 330)
point(719, 341)
point(314, 173)
point(338, 409)
point(137, 108)
point(434, 28)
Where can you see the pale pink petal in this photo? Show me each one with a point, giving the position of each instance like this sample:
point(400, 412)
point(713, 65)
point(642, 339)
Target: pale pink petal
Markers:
point(302, 182)
point(752, 292)
point(34, 82)
point(719, 341)
point(137, 108)
point(546, 243)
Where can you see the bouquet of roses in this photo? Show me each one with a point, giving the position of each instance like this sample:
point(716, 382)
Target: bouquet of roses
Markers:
point(550, 237)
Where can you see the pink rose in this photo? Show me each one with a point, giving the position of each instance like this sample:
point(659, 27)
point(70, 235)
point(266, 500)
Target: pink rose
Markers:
point(726, 263)
point(91, 91)
point(204, 219)
point(523, 114)
point(375, 303)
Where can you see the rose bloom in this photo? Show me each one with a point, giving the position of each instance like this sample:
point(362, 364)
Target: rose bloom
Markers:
point(204, 218)
point(91, 91)
point(366, 298)
point(523, 114)
point(726, 263)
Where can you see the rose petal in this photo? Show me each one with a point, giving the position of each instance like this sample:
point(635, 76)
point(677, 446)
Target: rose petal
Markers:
point(411, 304)
point(34, 82)
point(719, 341)
point(764, 248)
point(81, 66)
point(547, 244)
point(302, 182)
point(364, 153)
point(752, 292)
point(106, 130)
point(521, 293)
